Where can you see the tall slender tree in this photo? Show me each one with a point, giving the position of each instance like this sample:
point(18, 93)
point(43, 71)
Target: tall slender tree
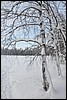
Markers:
point(19, 18)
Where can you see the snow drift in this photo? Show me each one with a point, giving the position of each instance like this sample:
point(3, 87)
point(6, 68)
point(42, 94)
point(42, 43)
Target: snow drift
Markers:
point(19, 80)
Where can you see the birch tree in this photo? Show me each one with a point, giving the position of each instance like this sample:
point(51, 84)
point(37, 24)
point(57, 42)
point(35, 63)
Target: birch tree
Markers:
point(19, 18)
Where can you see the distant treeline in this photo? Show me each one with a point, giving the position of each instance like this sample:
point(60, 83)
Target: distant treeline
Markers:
point(27, 51)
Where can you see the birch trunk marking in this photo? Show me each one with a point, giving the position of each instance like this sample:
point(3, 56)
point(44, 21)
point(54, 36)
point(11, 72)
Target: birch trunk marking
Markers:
point(43, 52)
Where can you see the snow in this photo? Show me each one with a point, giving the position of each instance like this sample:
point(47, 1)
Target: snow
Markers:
point(19, 80)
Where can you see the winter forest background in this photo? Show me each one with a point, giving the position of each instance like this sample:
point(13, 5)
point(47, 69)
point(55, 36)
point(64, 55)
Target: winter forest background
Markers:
point(33, 49)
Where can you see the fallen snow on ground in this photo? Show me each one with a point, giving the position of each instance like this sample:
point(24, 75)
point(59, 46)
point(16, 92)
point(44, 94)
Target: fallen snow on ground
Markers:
point(19, 80)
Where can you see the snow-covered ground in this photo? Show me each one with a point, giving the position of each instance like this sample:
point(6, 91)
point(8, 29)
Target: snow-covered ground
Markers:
point(19, 80)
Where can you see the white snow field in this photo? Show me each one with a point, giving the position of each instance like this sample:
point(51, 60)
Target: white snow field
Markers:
point(19, 80)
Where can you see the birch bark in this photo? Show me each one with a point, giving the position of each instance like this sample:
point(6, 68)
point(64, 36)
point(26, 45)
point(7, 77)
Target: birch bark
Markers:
point(43, 52)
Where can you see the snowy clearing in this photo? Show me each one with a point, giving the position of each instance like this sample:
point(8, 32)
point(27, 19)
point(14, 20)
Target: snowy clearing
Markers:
point(19, 80)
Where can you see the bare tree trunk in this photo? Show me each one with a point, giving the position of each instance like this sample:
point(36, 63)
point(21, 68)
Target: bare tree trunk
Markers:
point(43, 53)
point(57, 53)
point(57, 61)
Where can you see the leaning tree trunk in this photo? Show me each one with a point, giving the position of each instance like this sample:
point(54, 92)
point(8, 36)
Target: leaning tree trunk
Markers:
point(43, 53)
point(57, 61)
point(57, 54)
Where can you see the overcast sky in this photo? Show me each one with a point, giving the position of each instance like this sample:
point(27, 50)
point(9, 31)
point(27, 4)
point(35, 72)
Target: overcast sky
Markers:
point(37, 31)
